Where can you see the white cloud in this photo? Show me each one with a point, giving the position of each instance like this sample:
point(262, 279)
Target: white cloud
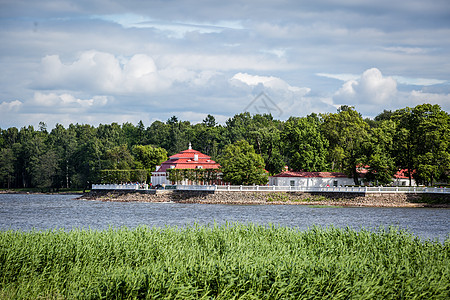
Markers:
point(174, 29)
point(370, 88)
point(149, 59)
point(11, 106)
point(398, 79)
point(418, 81)
point(341, 77)
point(274, 83)
point(66, 100)
point(101, 72)
point(419, 97)
point(372, 92)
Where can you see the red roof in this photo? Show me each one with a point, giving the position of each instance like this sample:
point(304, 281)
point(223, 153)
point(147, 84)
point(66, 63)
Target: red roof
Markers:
point(189, 159)
point(311, 174)
point(403, 174)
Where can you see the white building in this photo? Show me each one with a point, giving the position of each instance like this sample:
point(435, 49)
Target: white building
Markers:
point(310, 179)
point(401, 178)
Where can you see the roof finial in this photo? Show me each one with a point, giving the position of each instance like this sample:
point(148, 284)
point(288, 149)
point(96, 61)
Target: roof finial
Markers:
point(190, 146)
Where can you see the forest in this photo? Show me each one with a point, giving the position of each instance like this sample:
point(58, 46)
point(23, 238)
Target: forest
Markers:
point(416, 139)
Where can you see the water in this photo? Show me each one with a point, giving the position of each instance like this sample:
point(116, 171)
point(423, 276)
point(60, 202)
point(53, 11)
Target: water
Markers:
point(42, 212)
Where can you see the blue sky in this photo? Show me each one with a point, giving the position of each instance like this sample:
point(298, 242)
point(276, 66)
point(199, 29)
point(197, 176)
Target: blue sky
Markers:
point(104, 61)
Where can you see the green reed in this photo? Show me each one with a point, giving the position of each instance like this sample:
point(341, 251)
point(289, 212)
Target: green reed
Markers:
point(232, 261)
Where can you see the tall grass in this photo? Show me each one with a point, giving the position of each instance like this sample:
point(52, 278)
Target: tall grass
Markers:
point(233, 261)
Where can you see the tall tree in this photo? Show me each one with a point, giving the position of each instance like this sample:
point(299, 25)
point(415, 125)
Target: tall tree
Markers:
point(7, 160)
point(346, 132)
point(148, 157)
point(87, 158)
point(264, 133)
point(379, 153)
point(241, 165)
point(304, 144)
point(237, 127)
point(44, 169)
point(423, 142)
point(63, 142)
point(179, 135)
point(432, 132)
point(119, 157)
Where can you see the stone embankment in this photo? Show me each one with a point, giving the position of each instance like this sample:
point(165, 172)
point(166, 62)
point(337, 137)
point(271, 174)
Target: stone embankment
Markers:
point(262, 198)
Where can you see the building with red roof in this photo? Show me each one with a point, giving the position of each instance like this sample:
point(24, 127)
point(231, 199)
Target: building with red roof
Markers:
point(187, 159)
point(401, 178)
point(310, 179)
point(323, 179)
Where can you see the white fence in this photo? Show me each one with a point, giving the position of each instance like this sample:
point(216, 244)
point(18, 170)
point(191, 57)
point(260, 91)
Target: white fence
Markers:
point(273, 188)
point(126, 186)
point(365, 190)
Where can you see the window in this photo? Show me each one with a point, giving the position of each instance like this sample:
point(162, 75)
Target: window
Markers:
point(199, 167)
point(292, 182)
point(335, 183)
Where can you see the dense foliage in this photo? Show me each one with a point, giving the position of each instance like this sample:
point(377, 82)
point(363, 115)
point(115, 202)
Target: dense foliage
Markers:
point(222, 262)
point(416, 139)
point(241, 165)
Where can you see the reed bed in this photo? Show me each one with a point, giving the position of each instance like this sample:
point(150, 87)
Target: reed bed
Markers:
point(232, 261)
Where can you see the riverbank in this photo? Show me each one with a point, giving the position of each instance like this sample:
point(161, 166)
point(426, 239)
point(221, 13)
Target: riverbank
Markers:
point(274, 198)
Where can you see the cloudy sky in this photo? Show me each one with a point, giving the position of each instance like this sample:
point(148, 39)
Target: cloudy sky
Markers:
point(104, 61)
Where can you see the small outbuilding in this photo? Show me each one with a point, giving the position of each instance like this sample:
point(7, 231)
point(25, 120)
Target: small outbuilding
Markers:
point(310, 179)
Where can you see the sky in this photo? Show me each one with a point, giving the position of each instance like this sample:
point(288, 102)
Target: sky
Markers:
point(104, 61)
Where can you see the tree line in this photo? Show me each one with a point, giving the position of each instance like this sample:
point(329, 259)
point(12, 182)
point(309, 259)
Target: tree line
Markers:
point(416, 139)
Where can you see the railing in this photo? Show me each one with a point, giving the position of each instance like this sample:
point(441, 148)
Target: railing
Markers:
point(125, 186)
point(196, 187)
point(362, 190)
point(273, 188)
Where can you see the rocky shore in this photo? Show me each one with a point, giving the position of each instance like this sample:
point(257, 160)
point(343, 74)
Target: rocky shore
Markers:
point(274, 198)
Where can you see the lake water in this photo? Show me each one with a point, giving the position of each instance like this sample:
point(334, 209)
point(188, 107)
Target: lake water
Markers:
point(43, 212)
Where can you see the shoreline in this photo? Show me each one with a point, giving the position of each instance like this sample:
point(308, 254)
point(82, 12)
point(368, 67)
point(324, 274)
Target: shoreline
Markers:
point(274, 198)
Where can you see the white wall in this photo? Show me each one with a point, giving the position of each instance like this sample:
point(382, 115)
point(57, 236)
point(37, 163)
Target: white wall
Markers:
point(159, 178)
point(404, 182)
point(310, 182)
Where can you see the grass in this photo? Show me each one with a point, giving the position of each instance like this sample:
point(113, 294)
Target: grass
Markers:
point(233, 261)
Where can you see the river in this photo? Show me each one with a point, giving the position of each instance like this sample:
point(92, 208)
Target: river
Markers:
point(43, 212)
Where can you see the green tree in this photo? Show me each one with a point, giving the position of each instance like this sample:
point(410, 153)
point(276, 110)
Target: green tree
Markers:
point(157, 134)
point(148, 157)
point(241, 165)
point(7, 160)
point(423, 142)
point(119, 157)
point(206, 137)
point(237, 128)
point(432, 133)
point(44, 169)
point(131, 134)
point(87, 158)
point(179, 135)
point(264, 133)
point(32, 144)
point(380, 153)
point(404, 141)
point(304, 144)
point(346, 132)
point(63, 142)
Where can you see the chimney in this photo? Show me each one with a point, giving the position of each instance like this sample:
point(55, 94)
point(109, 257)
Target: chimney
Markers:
point(195, 157)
